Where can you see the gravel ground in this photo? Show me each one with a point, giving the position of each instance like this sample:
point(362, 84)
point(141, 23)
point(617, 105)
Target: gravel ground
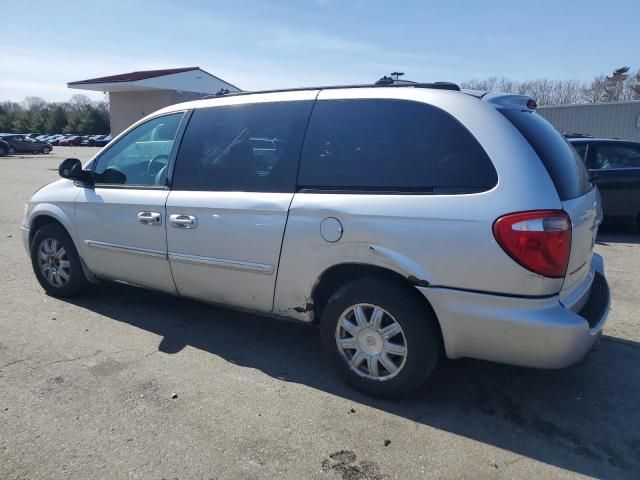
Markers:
point(87, 388)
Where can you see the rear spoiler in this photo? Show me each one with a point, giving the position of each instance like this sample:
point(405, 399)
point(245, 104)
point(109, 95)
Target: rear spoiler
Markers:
point(508, 100)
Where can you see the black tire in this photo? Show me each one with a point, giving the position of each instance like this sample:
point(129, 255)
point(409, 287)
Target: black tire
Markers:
point(420, 330)
point(45, 150)
point(3, 151)
point(12, 151)
point(77, 283)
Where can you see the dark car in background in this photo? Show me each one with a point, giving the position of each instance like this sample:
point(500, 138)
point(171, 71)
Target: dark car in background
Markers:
point(93, 139)
point(614, 166)
point(101, 142)
point(4, 148)
point(19, 143)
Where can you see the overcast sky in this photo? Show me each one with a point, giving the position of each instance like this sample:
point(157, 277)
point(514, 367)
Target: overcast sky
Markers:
point(260, 44)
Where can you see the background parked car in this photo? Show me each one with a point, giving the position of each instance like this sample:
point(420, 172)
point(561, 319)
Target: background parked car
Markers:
point(71, 140)
point(4, 148)
point(20, 143)
point(94, 138)
point(54, 139)
point(103, 141)
point(614, 166)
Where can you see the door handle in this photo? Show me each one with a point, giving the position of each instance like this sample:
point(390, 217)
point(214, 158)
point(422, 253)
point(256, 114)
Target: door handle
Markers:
point(183, 221)
point(150, 218)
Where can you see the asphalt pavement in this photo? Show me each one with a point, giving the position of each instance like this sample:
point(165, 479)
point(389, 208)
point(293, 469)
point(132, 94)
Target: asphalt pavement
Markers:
point(128, 383)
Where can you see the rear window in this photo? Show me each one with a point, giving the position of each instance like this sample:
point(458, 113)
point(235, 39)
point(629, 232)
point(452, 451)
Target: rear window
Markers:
point(391, 146)
point(565, 167)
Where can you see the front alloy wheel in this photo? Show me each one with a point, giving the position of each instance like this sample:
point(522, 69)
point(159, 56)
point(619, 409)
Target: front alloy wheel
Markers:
point(54, 262)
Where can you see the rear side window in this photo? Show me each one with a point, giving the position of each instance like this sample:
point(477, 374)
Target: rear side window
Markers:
point(391, 145)
point(616, 156)
point(565, 166)
point(246, 148)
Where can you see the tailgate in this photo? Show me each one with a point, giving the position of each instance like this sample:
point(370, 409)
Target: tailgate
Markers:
point(585, 213)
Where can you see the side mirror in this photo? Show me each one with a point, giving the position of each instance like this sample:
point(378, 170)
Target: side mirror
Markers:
point(71, 168)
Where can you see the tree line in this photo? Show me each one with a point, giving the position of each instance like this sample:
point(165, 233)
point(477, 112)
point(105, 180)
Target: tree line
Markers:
point(35, 115)
point(83, 116)
point(622, 84)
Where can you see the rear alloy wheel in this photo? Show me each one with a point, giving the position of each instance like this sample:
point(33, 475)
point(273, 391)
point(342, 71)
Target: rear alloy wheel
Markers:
point(56, 262)
point(381, 337)
point(371, 342)
point(12, 150)
point(45, 150)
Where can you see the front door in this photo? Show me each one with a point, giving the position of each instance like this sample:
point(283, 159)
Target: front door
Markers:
point(121, 219)
point(231, 189)
point(20, 144)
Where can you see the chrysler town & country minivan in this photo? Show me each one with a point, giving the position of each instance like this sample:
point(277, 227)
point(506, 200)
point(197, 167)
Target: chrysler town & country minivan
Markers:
point(408, 221)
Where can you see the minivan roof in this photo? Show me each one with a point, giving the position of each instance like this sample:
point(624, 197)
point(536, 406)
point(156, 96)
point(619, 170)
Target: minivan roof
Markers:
point(400, 84)
point(504, 100)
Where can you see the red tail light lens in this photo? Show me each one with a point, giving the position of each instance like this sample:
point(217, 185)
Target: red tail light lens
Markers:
point(540, 241)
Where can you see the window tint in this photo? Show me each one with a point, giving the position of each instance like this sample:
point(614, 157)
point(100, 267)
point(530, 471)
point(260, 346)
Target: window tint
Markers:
point(250, 148)
point(140, 158)
point(616, 156)
point(565, 167)
point(391, 145)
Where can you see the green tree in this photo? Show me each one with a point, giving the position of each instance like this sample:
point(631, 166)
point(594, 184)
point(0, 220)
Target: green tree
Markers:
point(36, 121)
point(56, 120)
point(614, 84)
point(21, 122)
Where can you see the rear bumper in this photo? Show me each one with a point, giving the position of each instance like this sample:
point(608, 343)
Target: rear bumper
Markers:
point(530, 332)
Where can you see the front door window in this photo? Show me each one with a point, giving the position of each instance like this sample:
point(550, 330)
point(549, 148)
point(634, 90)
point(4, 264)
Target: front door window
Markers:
point(141, 157)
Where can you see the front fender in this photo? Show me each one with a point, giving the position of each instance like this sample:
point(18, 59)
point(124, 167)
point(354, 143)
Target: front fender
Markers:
point(50, 210)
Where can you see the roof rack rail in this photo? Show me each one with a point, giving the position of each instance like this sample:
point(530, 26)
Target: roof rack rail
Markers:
point(395, 84)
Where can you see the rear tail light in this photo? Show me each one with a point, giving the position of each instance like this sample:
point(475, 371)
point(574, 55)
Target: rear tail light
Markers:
point(540, 240)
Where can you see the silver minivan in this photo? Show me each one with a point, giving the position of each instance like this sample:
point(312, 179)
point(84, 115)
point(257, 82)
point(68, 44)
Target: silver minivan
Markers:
point(408, 221)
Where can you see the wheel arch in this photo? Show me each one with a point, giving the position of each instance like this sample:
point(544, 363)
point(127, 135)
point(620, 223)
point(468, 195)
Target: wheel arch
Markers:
point(39, 220)
point(48, 214)
point(340, 274)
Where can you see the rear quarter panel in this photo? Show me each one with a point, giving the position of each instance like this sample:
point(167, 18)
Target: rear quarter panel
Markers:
point(446, 240)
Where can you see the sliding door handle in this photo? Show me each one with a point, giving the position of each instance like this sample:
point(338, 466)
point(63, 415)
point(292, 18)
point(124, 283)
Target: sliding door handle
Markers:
point(185, 222)
point(150, 218)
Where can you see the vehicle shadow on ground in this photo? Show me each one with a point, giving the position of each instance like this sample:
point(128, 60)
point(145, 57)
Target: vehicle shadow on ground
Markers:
point(585, 419)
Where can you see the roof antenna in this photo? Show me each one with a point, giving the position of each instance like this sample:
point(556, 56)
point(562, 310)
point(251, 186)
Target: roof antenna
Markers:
point(385, 81)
